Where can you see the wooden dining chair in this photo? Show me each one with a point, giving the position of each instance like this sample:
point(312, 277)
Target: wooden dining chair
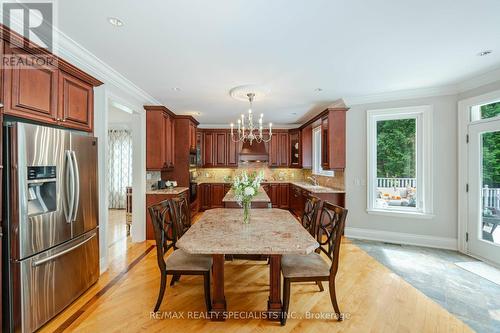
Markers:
point(310, 216)
point(167, 229)
point(312, 267)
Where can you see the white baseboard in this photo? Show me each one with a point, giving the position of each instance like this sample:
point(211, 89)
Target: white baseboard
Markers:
point(402, 238)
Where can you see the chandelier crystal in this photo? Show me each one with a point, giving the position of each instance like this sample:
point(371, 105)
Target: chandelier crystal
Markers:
point(246, 128)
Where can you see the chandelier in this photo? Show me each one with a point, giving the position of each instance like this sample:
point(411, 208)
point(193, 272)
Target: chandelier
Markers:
point(246, 128)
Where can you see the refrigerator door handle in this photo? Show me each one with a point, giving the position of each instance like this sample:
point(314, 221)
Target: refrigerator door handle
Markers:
point(70, 187)
point(57, 255)
point(76, 196)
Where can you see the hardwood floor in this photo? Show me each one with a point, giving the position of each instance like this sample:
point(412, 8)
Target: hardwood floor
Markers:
point(376, 299)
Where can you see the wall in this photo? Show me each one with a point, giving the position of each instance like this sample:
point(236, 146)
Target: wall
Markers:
point(438, 231)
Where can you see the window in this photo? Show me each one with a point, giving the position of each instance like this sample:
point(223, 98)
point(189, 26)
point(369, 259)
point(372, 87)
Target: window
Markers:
point(399, 160)
point(485, 111)
point(317, 169)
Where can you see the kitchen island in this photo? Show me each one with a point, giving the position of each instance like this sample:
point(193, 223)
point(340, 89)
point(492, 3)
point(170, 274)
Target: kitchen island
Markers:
point(261, 200)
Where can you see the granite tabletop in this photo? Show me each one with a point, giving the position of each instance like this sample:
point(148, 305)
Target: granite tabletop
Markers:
point(270, 231)
point(173, 191)
point(260, 197)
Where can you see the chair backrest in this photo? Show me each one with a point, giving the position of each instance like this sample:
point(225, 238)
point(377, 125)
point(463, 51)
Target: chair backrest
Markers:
point(162, 217)
point(182, 217)
point(330, 229)
point(310, 216)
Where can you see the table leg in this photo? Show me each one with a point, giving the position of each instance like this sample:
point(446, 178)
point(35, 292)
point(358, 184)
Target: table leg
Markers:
point(274, 305)
point(218, 298)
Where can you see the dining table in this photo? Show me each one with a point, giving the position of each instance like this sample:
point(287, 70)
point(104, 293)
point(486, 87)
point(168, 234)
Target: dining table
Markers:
point(272, 232)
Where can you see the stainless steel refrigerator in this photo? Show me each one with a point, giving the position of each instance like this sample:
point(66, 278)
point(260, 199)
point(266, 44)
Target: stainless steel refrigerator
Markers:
point(51, 215)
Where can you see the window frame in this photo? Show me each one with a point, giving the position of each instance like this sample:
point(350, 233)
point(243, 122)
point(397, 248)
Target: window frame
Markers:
point(317, 169)
point(423, 168)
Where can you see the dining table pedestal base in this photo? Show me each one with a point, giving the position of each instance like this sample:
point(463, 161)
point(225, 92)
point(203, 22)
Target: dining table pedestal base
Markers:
point(219, 306)
point(274, 305)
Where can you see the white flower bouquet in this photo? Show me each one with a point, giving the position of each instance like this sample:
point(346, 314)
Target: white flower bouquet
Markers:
point(246, 187)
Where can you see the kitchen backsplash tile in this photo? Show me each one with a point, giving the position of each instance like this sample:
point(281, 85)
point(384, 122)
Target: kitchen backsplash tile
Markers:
point(152, 177)
point(336, 182)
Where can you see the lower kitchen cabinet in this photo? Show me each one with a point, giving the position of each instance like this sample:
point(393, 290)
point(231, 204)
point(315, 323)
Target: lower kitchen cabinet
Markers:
point(153, 199)
point(211, 195)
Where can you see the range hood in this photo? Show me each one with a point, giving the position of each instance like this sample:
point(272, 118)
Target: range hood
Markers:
point(255, 152)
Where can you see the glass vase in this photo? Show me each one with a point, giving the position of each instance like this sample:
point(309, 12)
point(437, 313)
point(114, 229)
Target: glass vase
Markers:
point(247, 205)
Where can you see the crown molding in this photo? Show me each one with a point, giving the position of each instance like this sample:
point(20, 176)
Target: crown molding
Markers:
point(470, 83)
point(76, 54)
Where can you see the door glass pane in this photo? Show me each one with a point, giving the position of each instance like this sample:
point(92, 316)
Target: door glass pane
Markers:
point(491, 186)
point(396, 164)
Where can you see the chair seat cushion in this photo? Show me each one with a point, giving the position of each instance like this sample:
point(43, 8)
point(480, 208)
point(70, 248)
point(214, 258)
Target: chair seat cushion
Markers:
point(311, 265)
point(180, 260)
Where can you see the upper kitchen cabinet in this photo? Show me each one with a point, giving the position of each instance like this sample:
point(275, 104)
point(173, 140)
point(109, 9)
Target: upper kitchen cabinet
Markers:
point(333, 123)
point(279, 149)
point(192, 137)
point(30, 90)
point(160, 137)
point(76, 102)
point(306, 143)
point(43, 87)
point(218, 149)
point(295, 141)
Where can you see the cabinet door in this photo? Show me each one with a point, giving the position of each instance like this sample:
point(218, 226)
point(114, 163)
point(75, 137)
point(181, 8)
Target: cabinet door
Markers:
point(283, 196)
point(76, 102)
point(325, 144)
point(220, 149)
point(295, 145)
point(169, 136)
point(199, 148)
point(283, 150)
point(155, 140)
point(232, 152)
point(217, 191)
point(208, 149)
point(192, 137)
point(275, 195)
point(30, 91)
point(274, 151)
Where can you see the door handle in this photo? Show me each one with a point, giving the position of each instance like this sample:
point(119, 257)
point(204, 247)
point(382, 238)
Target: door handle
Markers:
point(77, 186)
point(70, 187)
point(57, 255)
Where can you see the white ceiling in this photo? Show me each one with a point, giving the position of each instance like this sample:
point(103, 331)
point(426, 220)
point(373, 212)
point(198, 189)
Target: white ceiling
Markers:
point(347, 48)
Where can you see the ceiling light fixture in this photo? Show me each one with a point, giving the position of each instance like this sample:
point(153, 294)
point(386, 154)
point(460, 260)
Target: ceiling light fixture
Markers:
point(176, 89)
point(250, 133)
point(318, 90)
point(484, 53)
point(114, 21)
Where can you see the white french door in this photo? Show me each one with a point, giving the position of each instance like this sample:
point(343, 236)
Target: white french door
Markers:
point(483, 226)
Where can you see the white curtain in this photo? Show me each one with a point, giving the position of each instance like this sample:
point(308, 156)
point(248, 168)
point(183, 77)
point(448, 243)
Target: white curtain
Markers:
point(119, 166)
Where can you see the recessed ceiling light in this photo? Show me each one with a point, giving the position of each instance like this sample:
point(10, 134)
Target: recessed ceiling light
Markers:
point(176, 89)
point(484, 53)
point(293, 113)
point(318, 89)
point(114, 21)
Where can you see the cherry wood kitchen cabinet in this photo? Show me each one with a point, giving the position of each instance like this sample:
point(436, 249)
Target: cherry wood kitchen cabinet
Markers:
point(76, 102)
point(278, 149)
point(208, 150)
point(233, 150)
point(160, 138)
point(295, 142)
point(199, 148)
point(284, 195)
point(333, 141)
point(44, 88)
point(306, 143)
point(192, 137)
point(211, 195)
point(220, 149)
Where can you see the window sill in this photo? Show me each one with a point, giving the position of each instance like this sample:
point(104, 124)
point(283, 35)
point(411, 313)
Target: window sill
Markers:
point(399, 213)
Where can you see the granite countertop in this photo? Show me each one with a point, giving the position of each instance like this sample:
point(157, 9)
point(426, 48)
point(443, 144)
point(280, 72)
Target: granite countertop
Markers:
point(316, 189)
point(270, 231)
point(174, 191)
point(260, 197)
